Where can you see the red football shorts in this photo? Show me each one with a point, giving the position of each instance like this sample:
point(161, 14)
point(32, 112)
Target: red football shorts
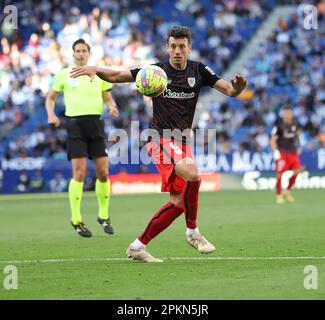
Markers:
point(166, 154)
point(288, 161)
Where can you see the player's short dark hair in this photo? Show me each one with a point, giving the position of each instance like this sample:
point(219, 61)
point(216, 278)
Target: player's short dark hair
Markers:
point(80, 41)
point(287, 107)
point(180, 32)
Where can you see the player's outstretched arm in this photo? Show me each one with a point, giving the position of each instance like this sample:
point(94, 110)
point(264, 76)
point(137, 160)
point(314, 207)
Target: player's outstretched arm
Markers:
point(232, 88)
point(274, 146)
point(299, 147)
point(105, 73)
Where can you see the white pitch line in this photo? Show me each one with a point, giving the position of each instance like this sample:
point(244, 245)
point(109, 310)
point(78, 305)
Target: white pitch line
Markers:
point(246, 258)
point(42, 196)
point(166, 258)
point(63, 260)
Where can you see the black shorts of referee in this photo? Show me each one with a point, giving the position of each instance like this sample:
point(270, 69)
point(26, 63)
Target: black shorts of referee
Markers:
point(86, 137)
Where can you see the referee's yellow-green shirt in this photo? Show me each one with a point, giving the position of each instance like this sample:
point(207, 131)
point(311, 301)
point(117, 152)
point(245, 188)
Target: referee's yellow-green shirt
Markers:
point(81, 96)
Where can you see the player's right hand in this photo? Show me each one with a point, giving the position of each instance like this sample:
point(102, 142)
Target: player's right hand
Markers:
point(54, 120)
point(84, 71)
point(276, 155)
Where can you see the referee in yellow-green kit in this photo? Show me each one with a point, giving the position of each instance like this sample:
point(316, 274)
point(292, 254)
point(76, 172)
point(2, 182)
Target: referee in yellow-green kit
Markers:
point(86, 136)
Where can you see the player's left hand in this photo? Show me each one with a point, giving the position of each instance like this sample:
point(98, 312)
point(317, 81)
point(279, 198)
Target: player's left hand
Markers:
point(114, 111)
point(299, 151)
point(276, 155)
point(239, 83)
point(84, 71)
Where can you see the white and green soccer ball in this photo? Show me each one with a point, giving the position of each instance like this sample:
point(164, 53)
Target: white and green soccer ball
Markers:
point(151, 81)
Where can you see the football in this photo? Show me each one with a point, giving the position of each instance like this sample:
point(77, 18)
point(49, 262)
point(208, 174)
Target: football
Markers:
point(151, 81)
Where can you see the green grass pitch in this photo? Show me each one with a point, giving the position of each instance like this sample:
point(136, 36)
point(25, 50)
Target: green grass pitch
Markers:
point(53, 262)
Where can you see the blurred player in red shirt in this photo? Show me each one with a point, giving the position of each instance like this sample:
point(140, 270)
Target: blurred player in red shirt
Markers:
point(286, 149)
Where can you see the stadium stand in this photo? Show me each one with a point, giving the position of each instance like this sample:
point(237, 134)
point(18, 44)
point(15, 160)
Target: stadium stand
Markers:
point(288, 68)
point(31, 55)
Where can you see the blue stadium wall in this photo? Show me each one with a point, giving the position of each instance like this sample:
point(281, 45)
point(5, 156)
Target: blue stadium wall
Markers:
point(243, 166)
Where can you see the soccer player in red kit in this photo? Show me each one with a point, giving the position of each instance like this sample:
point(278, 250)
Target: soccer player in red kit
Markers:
point(286, 149)
point(174, 110)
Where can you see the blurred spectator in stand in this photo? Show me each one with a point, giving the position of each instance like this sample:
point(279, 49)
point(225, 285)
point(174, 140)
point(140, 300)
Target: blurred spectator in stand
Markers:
point(58, 183)
point(37, 182)
point(1, 181)
point(89, 182)
point(23, 184)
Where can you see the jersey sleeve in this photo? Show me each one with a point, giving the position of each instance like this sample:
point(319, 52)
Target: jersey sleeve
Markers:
point(134, 72)
point(274, 131)
point(277, 128)
point(58, 83)
point(106, 86)
point(208, 75)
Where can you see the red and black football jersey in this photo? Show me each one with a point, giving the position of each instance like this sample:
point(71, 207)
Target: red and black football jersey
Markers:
point(175, 108)
point(287, 135)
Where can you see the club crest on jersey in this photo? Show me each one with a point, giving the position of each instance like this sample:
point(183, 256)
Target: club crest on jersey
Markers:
point(191, 82)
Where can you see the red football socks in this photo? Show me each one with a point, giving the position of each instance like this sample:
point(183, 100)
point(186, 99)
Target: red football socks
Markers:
point(160, 221)
point(292, 181)
point(190, 202)
point(278, 186)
